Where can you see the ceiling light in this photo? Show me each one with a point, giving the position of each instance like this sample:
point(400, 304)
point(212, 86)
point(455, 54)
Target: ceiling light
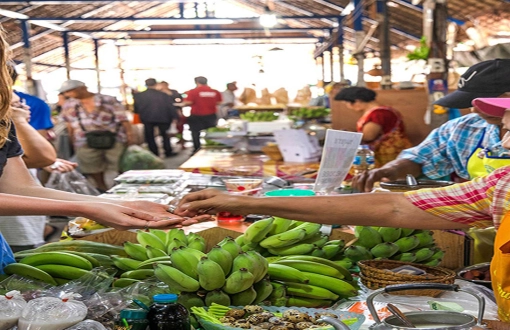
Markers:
point(268, 18)
point(185, 21)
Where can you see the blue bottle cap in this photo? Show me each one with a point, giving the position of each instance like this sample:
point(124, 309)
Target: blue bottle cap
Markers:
point(133, 314)
point(165, 298)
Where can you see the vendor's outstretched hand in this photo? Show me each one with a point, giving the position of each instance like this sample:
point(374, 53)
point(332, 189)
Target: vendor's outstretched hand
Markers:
point(211, 201)
point(364, 182)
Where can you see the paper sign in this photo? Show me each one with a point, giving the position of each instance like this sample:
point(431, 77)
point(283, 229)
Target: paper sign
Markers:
point(337, 155)
point(296, 146)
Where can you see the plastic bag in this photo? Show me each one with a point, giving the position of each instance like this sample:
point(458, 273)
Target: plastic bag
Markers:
point(11, 306)
point(138, 158)
point(71, 182)
point(98, 280)
point(87, 325)
point(49, 313)
point(29, 288)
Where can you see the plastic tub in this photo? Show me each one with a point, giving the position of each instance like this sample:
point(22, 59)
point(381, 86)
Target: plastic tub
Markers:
point(290, 193)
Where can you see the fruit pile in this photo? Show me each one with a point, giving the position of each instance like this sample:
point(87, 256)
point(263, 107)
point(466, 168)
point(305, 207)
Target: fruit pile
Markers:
point(309, 113)
point(394, 243)
point(259, 115)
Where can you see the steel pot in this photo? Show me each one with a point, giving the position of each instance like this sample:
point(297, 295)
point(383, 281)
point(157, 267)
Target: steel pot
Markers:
point(431, 320)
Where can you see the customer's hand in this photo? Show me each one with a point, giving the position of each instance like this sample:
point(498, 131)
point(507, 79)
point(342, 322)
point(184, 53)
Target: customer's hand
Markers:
point(211, 201)
point(364, 182)
point(61, 165)
point(20, 115)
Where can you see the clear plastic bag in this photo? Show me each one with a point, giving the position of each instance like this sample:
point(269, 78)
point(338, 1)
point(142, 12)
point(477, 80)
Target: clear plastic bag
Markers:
point(98, 280)
point(49, 313)
point(87, 325)
point(29, 288)
point(71, 182)
point(11, 306)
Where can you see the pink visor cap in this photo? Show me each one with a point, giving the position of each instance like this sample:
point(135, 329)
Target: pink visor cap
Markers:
point(495, 107)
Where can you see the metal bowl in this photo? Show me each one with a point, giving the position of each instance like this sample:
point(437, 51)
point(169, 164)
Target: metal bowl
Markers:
point(482, 266)
point(401, 185)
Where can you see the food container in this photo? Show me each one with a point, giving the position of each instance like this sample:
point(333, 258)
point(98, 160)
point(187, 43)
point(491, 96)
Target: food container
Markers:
point(290, 193)
point(482, 268)
point(243, 186)
point(431, 320)
point(402, 186)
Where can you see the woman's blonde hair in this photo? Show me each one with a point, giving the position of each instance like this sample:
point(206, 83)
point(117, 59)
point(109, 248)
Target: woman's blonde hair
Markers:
point(5, 91)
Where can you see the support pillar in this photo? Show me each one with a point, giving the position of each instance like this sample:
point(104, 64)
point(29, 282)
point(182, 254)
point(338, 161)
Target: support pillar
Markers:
point(340, 44)
point(122, 80)
point(27, 52)
point(65, 42)
point(383, 17)
point(359, 36)
point(98, 71)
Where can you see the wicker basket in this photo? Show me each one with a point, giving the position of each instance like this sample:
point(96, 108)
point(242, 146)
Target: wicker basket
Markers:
point(375, 275)
point(273, 152)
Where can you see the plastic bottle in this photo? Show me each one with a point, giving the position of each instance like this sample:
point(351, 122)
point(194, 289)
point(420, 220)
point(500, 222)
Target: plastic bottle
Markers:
point(364, 160)
point(166, 314)
point(132, 319)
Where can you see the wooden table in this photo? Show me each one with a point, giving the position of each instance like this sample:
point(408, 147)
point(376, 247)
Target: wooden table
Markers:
point(221, 162)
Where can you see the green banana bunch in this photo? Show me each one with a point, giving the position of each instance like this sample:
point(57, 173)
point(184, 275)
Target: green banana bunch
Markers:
point(310, 228)
point(62, 271)
point(135, 251)
point(229, 244)
point(261, 265)
point(125, 264)
point(197, 243)
point(190, 299)
point(426, 238)
point(312, 267)
point(343, 270)
point(279, 226)
point(29, 272)
point(357, 253)
point(176, 233)
point(153, 252)
point(390, 234)
point(286, 273)
point(175, 243)
point(384, 250)
point(407, 243)
point(296, 249)
point(335, 285)
point(308, 302)
point(217, 297)
point(405, 256)
point(368, 237)
point(423, 253)
point(139, 274)
point(222, 257)
point(263, 289)
point(309, 291)
point(284, 239)
point(57, 258)
point(124, 282)
point(210, 274)
point(257, 231)
point(146, 238)
point(184, 261)
point(243, 298)
point(175, 279)
point(238, 281)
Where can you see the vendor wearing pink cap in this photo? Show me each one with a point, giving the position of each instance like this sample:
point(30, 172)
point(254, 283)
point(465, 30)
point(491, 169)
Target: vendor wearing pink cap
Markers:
point(480, 203)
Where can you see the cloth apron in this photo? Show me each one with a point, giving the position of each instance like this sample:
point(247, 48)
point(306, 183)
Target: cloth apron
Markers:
point(481, 162)
point(500, 269)
point(388, 146)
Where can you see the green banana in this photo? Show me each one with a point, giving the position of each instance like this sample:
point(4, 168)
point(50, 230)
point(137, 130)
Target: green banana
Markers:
point(308, 302)
point(279, 291)
point(198, 254)
point(384, 250)
point(296, 249)
point(240, 240)
point(150, 262)
point(82, 246)
point(263, 289)
point(286, 273)
point(125, 263)
point(175, 243)
point(197, 243)
point(279, 226)
point(309, 291)
point(184, 261)
point(368, 237)
point(30, 272)
point(175, 279)
point(222, 257)
point(243, 298)
point(294, 224)
point(407, 243)
point(161, 234)
point(238, 281)
point(426, 238)
point(243, 260)
point(153, 252)
point(252, 247)
point(330, 251)
point(188, 300)
point(257, 231)
point(390, 234)
point(318, 240)
point(340, 287)
point(61, 281)
point(423, 254)
point(405, 256)
point(95, 263)
point(210, 274)
point(344, 262)
point(231, 246)
point(217, 297)
point(433, 262)
point(357, 253)
point(146, 238)
point(343, 270)
point(317, 252)
point(261, 265)
point(339, 242)
point(284, 239)
point(406, 232)
point(135, 251)
point(179, 234)
point(311, 229)
point(62, 271)
point(437, 255)
point(312, 267)
point(139, 274)
point(104, 261)
point(124, 282)
point(57, 258)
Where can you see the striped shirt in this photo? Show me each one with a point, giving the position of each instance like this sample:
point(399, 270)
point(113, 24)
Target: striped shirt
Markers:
point(481, 203)
point(447, 148)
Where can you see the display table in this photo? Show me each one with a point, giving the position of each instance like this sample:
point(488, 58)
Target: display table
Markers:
point(221, 162)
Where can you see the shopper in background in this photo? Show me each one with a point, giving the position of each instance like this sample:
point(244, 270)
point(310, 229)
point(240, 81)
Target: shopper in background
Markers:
point(382, 127)
point(203, 100)
point(229, 100)
point(177, 98)
point(460, 145)
point(86, 112)
point(156, 109)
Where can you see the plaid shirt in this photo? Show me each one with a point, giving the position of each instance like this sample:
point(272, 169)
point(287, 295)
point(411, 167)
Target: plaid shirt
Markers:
point(448, 148)
point(481, 202)
point(99, 119)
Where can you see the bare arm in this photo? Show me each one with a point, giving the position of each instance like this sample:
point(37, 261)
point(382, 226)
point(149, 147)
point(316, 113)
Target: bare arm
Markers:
point(386, 209)
point(371, 131)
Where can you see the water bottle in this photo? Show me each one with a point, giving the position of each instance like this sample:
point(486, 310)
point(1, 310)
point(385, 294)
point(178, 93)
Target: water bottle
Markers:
point(364, 160)
point(167, 314)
